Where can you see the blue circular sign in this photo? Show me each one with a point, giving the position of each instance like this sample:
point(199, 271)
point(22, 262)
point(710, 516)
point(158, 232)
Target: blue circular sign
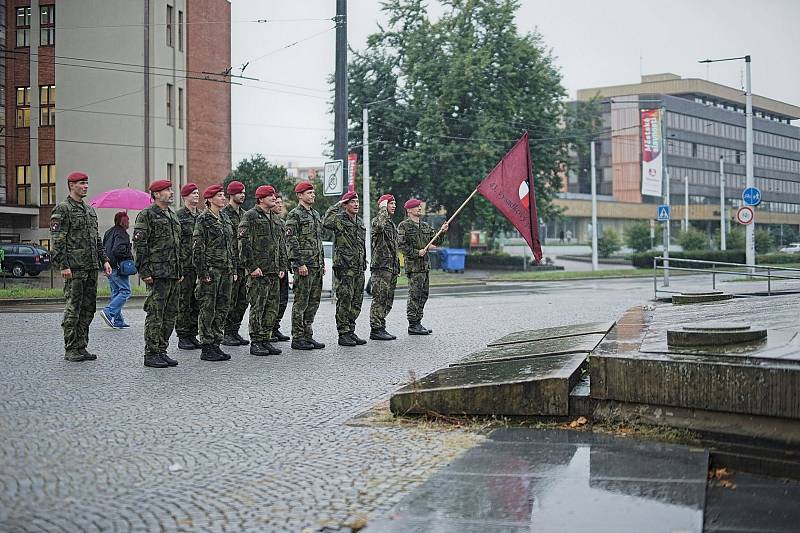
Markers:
point(751, 196)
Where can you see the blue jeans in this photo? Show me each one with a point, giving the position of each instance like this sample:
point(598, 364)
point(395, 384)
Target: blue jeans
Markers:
point(120, 292)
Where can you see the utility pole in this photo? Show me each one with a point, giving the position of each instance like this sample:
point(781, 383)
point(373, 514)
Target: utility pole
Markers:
point(366, 201)
point(686, 203)
point(666, 192)
point(750, 248)
point(340, 93)
point(722, 236)
point(594, 210)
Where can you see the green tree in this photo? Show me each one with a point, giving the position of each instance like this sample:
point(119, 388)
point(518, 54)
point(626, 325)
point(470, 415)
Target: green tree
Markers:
point(448, 97)
point(609, 243)
point(257, 171)
point(693, 240)
point(637, 236)
point(764, 241)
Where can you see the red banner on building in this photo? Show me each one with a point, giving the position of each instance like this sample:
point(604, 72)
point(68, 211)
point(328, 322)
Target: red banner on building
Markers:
point(352, 168)
point(652, 156)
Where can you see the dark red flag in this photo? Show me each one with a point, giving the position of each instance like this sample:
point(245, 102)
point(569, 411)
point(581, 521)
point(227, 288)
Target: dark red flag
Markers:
point(509, 186)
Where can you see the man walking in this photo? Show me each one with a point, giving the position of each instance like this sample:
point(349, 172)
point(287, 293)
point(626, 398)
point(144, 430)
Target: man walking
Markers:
point(188, 308)
point(238, 303)
point(279, 212)
point(117, 245)
point(78, 253)
point(349, 264)
point(413, 237)
point(385, 267)
point(214, 258)
point(156, 245)
point(304, 240)
point(263, 256)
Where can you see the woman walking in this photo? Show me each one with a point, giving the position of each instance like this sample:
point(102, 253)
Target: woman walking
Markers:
point(117, 244)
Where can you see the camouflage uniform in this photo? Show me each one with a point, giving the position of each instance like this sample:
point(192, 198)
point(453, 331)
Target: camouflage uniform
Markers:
point(283, 290)
point(349, 264)
point(188, 308)
point(156, 245)
point(238, 300)
point(214, 258)
point(77, 246)
point(304, 241)
point(412, 237)
point(261, 246)
point(385, 267)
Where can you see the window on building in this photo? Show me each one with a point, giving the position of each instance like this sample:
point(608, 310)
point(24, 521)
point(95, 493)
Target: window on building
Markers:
point(47, 31)
point(170, 91)
point(47, 105)
point(45, 243)
point(23, 26)
point(180, 31)
point(169, 171)
point(169, 25)
point(23, 107)
point(47, 185)
point(24, 185)
point(180, 108)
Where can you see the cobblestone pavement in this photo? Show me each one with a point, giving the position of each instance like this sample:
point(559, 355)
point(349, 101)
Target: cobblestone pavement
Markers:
point(255, 443)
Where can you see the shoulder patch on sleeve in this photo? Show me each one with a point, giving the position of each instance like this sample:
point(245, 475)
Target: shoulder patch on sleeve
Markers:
point(55, 225)
point(242, 232)
point(289, 231)
point(139, 235)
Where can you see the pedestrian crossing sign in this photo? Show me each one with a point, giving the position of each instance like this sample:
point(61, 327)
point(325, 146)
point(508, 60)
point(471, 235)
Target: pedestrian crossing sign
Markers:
point(663, 213)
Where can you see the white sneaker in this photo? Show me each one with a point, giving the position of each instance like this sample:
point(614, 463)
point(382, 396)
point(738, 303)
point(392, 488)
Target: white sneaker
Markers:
point(107, 319)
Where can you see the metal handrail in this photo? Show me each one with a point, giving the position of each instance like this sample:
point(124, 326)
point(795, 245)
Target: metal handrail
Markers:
point(749, 271)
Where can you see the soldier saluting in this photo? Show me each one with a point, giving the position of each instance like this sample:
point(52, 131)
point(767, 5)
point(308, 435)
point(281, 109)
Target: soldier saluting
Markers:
point(263, 256)
point(156, 246)
point(349, 264)
point(78, 252)
point(188, 309)
point(414, 236)
point(385, 267)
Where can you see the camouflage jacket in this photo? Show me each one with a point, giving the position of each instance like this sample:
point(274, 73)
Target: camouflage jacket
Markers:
point(213, 244)
point(157, 242)
point(234, 217)
point(384, 243)
point(187, 220)
point(349, 234)
point(412, 237)
point(76, 242)
point(304, 238)
point(261, 242)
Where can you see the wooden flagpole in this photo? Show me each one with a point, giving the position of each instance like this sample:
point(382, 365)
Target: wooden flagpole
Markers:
point(451, 218)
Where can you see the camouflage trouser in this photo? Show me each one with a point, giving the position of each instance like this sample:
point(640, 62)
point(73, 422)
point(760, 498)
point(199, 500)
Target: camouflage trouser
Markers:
point(161, 308)
point(80, 295)
point(214, 298)
point(417, 295)
point(284, 301)
point(349, 295)
point(262, 293)
point(238, 303)
point(384, 283)
point(188, 308)
point(307, 292)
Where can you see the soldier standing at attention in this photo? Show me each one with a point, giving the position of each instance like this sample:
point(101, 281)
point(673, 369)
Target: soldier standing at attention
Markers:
point(385, 267)
point(263, 256)
point(188, 309)
point(238, 304)
point(214, 259)
point(349, 264)
point(414, 236)
point(156, 245)
point(278, 211)
point(304, 240)
point(78, 252)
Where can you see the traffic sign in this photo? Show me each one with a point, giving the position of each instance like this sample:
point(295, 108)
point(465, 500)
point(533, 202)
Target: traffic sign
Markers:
point(333, 182)
point(663, 213)
point(745, 215)
point(751, 196)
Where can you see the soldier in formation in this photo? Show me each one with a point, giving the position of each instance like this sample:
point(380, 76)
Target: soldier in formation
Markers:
point(385, 267)
point(283, 302)
point(156, 246)
point(413, 238)
point(349, 264)
point(215, 259)
point(238, 305)
point(188, 309)
point(78, 253)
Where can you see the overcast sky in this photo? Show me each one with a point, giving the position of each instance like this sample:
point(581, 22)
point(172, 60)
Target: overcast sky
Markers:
point(285, 115)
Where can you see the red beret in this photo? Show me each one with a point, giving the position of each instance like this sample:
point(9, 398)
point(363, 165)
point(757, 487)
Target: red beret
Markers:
point(349, 195)
point(77, 176)
point(160, 185)
point(412, 203)
point(303, 186)
point(264, 191)
point(235, 187)
point(212, 191)
point(188, 189)
point(386, 197)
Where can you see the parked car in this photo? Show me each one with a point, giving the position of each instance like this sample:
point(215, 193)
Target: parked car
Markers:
point(793, 248)
point(20, 259)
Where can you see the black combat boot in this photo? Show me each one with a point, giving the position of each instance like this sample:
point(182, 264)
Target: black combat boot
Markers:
point(277, 336)
point(210, 354)
point(242, 340)
point(188, 343)
point(415, 328)
point(301, 344)
point(230, 340)
point(358, 339)
point(429, 329)
point(315, 344)
point(169, 360)
point(380, 334)
point(258, 348)
point(217, 349)
point(155, 361)
point(346, 339)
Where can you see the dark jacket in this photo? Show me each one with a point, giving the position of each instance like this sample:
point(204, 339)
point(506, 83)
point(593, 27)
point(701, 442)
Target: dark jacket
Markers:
point(261, 242)
point(213, 244)
point(75, 238)
point(117, 244)
point(304, 238)
point(384, 243)
point(156, 243)
point(349, 234)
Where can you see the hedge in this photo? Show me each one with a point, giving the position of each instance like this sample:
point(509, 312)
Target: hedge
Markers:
point(645, 259)
point(778, 259)
point(493, 262)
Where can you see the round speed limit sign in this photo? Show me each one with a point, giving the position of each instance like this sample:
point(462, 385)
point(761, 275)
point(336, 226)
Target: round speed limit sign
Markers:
point(745, 215)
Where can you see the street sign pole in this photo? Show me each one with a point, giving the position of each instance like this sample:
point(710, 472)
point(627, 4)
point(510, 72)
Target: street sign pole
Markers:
point(666, 191)
point(750, 248)
point(722, 235)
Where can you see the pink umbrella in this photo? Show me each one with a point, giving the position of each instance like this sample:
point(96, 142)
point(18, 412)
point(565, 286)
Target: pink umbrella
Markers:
point(122, 199)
